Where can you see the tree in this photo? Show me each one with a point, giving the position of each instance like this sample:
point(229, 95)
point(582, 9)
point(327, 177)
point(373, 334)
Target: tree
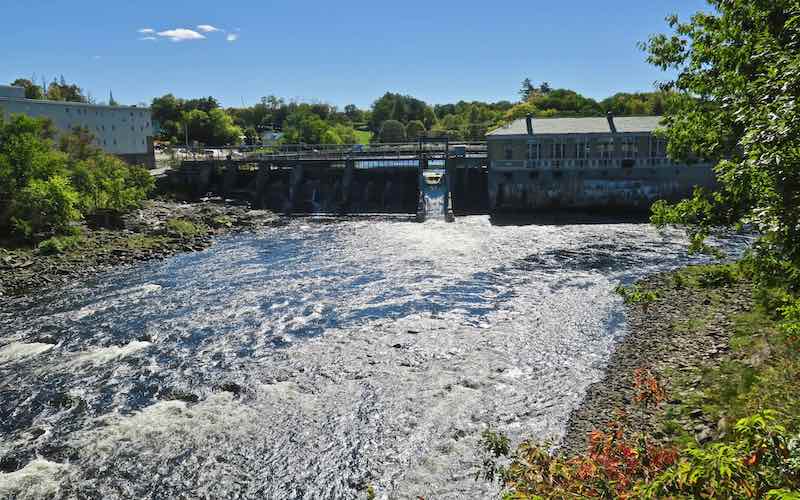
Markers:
point(392, 131)
point(415, 129)
point(45, 205)
point(738, 103)
point(111, 100)
point(32, 91)
point(526, 90)
point(62, 91)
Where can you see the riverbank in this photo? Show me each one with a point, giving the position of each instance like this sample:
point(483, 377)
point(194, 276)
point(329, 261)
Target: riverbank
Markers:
point(157, 230)
point(713, 347)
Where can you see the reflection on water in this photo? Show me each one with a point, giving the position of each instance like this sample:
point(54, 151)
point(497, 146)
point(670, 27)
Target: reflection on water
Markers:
point(311, 360)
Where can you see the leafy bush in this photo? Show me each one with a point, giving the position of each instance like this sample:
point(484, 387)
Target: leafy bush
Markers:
point(49, 188)
point(45, 205)
point(58, 245)
point(762, 461)
point(635, 295)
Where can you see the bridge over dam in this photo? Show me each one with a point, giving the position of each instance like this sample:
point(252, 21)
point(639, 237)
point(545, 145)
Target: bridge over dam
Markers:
point(360, 179)
point(438, 179)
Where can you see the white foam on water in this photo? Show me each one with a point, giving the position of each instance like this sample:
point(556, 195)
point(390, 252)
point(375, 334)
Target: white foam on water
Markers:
point(38, 479)
point(133, 293)
point(16, 351)
point(106, 354)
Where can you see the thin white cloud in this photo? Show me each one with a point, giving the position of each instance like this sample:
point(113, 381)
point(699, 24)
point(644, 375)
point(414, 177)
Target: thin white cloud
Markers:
point(181, 34)
point(232, 37)
point(149, 39)
point(207, 28)
point(96, 58)
point(147, 31)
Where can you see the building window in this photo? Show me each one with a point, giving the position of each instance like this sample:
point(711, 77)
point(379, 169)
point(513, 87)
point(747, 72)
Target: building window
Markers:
point(558, 150)
point(606, 149)
point(113, 127)
point(582, 149)
point(534, 151)
point(658, 148)
point(630, 148)
point(509, 151)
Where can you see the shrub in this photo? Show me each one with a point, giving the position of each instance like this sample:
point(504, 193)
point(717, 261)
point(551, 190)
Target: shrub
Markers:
point(392, 131)
point(58, 245)
point(45, 205)
point(635, 295)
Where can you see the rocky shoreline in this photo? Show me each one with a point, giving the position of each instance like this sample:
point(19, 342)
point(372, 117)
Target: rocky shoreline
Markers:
point(675, 336)
point(145, 234)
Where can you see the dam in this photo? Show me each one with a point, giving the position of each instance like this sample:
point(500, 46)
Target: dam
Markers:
point(529, 166)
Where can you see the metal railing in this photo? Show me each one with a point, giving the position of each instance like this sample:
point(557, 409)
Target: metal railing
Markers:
point(332, 152)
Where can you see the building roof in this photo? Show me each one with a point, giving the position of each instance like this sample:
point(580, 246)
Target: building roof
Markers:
point(13, 93)
point(594, 125)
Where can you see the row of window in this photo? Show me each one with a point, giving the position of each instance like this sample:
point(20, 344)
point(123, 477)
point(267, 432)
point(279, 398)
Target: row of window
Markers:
point(581, 149)
point(85, 112)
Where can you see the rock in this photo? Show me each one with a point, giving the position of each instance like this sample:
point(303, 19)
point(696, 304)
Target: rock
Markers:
point(231, 387)
point(703, 436)
point(697, 413)
point(179, 395)
point(398, 346)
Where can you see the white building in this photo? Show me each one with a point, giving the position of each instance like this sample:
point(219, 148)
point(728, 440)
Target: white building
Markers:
point(125, 131)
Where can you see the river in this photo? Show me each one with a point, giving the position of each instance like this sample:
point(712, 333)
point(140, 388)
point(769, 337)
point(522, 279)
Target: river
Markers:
point(313, 359)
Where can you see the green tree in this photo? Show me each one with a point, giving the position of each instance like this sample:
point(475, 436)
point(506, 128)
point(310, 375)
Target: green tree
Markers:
point(32, 91)
point(415, 129)
point(737, 75)
point(62, 91)
point(526, 90)
point(392, 131)
point(45, 205)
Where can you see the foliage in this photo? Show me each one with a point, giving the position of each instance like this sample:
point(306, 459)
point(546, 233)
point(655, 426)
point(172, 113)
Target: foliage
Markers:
point(184, 228)
point(58, 244)
point(740, 66)
point(32, 91)
point(392, 131)
point(613, 466)
point(207, 123)
point(46, 189)
point(635, 294)
point(415, 129)
point(761, 461)
point(401, 108)
point(45, 204)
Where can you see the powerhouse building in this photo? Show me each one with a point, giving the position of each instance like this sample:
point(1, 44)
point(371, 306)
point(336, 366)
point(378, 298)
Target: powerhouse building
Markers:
point(604, 162)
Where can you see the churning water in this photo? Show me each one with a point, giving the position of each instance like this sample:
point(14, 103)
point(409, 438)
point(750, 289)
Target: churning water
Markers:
point(313, 359)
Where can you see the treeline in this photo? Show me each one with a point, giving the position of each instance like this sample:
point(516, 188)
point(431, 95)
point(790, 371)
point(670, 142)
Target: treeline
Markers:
point(393, 117)
point(46, 185)
point(57, 90)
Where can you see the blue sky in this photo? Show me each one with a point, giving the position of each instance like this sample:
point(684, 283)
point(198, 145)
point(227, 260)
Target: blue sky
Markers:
point(338, 52)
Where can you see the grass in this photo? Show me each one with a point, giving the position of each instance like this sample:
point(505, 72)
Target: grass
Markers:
point(363, 136)
point(184, 228)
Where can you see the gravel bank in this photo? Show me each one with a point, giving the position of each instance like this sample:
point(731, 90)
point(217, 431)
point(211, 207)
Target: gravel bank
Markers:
point(684, 328)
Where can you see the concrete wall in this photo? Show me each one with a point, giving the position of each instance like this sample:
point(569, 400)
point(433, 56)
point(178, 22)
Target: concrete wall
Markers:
point(528, 190)
point(119, 130)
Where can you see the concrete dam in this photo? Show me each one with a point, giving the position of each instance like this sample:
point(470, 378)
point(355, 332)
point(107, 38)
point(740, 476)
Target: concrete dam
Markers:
point(434, 180)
